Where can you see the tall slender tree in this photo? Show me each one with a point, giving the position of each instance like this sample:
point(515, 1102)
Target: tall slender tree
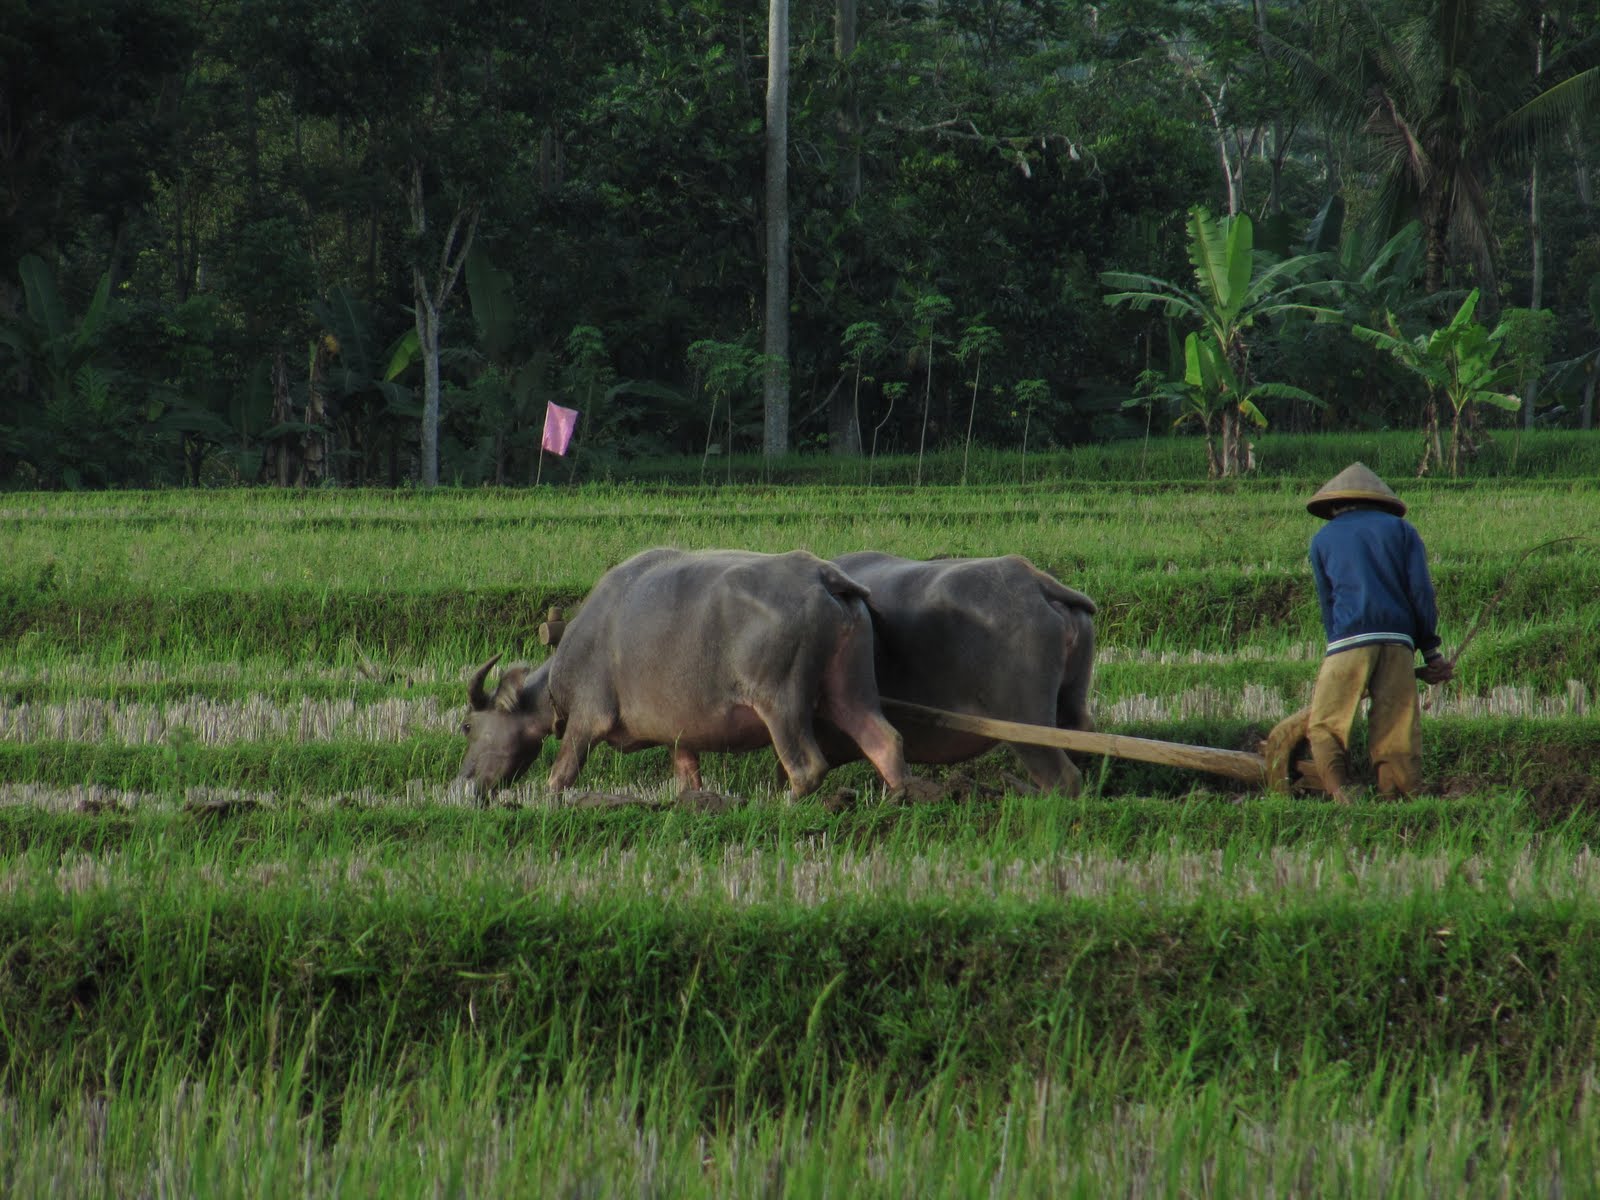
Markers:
point(775, 385)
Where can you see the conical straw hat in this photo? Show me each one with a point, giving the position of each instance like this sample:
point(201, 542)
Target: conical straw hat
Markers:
point(1355, 483)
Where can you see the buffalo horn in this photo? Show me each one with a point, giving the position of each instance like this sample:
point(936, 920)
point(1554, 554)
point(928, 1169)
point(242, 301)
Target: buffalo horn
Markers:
point(475, 693)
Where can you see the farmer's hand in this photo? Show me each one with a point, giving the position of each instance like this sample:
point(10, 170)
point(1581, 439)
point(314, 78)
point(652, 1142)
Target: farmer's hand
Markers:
point(1438, 669)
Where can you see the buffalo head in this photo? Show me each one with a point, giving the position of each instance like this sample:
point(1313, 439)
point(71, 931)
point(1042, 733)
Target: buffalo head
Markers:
point(506, 729)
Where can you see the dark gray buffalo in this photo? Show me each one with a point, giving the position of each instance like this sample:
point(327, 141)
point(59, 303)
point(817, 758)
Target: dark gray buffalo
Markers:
point(995, 637)
point(711, 650)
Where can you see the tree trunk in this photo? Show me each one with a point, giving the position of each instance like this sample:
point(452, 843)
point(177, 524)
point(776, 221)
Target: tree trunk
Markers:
point(1436, 232)
point(844, 420)
point(1230, 442)
point(775, 389)
point(428, 344)
point(1530, 385)
point(844, 45)
point(1279, 150)
point(972, 415)
point(1432, 451)
point(1580, 165)
point(844, 412)
point(927, 401)
point(314, 442)
point(430, 299)
point(1228, 176)
point(1587, 420)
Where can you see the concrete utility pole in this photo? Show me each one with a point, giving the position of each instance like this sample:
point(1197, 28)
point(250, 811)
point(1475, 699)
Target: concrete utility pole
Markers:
point(775, 389)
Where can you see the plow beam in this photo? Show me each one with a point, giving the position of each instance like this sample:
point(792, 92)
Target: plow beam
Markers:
point(1235, 764)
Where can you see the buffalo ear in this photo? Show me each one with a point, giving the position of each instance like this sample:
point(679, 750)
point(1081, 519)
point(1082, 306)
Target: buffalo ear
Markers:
point(476, 696)
point(509, 691)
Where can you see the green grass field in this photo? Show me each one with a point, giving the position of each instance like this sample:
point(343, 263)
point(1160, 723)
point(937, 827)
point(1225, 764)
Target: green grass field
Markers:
point(254, 943)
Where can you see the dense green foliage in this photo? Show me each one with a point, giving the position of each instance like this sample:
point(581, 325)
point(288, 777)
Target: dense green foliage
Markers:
point(220, 223)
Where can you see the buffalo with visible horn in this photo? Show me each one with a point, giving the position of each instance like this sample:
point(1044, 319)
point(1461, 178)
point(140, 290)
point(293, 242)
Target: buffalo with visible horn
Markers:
point(721, 650)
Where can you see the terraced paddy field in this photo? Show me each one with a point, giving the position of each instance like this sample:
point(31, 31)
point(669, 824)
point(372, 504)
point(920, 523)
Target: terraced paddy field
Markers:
point(253, 942)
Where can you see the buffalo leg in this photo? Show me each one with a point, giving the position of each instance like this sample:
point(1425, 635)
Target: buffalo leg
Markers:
point(686, 765)
point(570, 758)
point(850, 701)
point(802, 759)
point(1050, 770)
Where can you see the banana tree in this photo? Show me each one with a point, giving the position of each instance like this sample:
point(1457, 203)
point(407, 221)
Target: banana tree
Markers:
point(49, 345)
point(1212, 389)
point(73, 432)
point(1456, 362)
point(1234, 289)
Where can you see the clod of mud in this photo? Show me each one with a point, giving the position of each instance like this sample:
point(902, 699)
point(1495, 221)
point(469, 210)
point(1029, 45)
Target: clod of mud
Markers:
point(919, 791)
point(611, 800)
point(966, 785)
point(841, 801)
point(213, 808)
point(700, 800)
point(1555, 798)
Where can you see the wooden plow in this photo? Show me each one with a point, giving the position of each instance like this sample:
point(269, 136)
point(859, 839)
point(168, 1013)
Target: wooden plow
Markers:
point(1283, 765)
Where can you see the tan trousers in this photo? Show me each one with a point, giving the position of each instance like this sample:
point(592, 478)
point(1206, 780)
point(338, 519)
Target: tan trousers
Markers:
point(1394, 720)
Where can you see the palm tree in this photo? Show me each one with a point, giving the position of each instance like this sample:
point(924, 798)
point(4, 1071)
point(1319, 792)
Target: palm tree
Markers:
point(1440, 88)
point(1235, 288)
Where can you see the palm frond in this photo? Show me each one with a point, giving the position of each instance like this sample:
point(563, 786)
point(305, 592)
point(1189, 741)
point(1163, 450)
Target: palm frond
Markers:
point(1406, 243)
point(1516, 137)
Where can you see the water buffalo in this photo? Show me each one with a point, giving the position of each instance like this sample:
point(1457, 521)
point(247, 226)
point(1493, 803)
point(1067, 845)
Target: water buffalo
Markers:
point(708, 650)
point(996, 637)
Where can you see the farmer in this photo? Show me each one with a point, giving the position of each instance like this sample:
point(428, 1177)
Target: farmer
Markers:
point(1378, 611)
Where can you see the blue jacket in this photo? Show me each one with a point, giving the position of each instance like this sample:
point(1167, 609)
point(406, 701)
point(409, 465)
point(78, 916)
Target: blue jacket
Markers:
point(1372, 582)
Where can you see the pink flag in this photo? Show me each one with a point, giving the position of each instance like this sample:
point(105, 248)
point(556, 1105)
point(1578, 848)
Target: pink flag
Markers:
point(558, 426)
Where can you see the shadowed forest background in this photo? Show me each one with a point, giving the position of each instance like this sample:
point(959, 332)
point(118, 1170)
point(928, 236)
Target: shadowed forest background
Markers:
point(230, 229)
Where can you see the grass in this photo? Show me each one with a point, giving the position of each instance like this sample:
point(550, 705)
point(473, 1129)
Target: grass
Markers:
point(1459, 752)
point(255, 942)
point(453, 1129)
point(103, 971)
point(1011, 829)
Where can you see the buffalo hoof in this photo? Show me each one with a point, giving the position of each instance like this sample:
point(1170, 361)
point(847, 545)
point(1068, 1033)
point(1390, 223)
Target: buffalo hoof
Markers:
point(699, 800)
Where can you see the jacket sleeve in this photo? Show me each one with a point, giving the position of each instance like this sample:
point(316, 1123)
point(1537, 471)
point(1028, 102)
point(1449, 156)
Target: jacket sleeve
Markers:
point(1419, 588)
point(1319, 575)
